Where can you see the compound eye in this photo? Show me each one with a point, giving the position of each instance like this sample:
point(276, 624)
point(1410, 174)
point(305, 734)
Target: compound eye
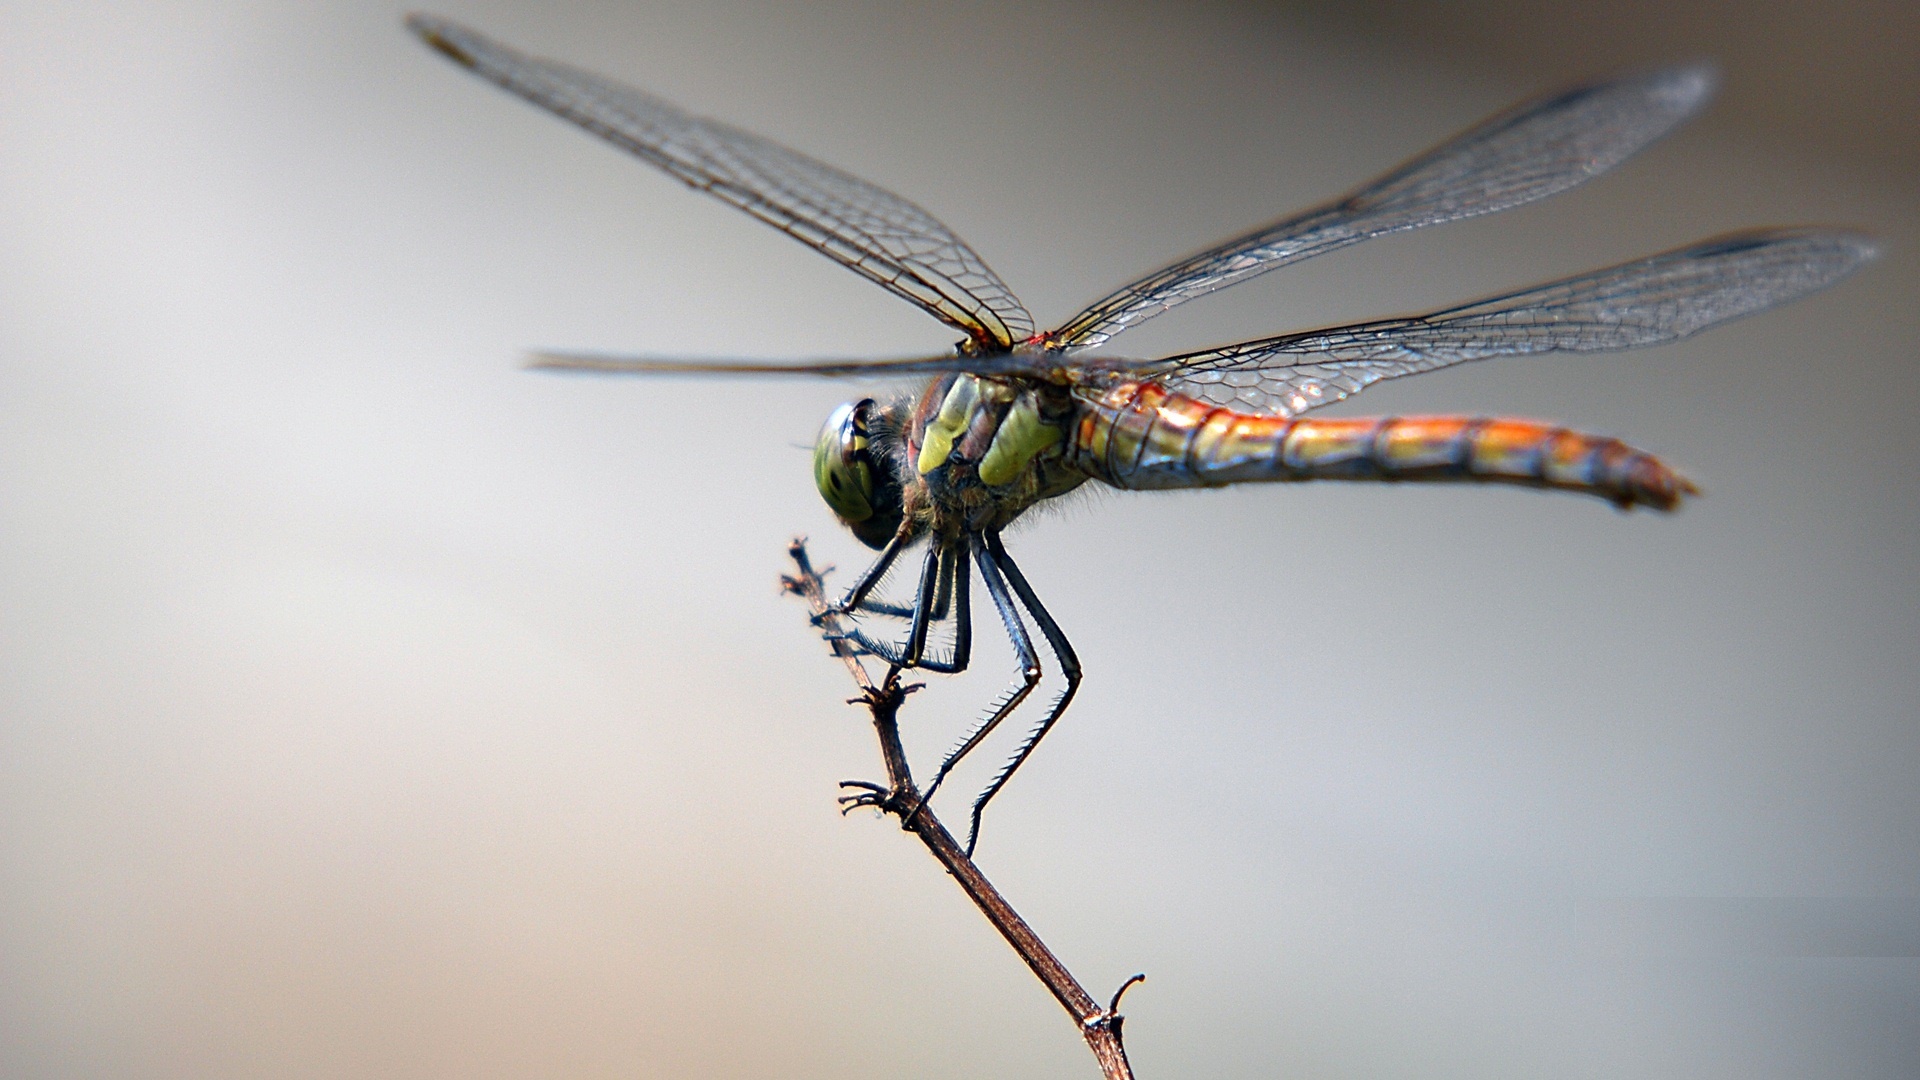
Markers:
point(841, 468)
point(855, 486)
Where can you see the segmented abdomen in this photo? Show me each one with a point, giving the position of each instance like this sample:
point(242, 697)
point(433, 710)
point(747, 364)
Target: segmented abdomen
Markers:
point(1143, 436)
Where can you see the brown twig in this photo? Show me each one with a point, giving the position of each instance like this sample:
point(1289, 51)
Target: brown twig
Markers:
point(1100, 1027)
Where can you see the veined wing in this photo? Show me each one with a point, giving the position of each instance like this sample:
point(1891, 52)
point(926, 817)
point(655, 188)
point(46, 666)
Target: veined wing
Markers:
point(591, 363)
point(873, 232)
point(1526, 153)
point(1657, 299)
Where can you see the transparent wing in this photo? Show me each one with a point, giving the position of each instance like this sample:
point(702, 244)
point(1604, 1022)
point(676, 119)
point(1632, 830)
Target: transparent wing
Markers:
point(1657, 299)
point(1527, 153)
point(873, 232)
point(1022, 364)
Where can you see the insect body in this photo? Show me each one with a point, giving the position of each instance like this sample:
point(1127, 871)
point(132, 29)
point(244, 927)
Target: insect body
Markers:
point(1012, 417)
point(1150, 438)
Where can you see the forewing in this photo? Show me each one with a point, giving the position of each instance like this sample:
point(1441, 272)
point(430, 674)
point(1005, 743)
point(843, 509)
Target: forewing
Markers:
point(1011, 364)
point(873, 232)
point(1657, 299)
point(1527, 153)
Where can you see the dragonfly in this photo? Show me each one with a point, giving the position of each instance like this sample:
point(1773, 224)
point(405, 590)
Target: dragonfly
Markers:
point(1012, 418)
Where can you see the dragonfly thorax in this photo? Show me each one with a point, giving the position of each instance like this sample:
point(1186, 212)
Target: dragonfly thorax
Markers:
point(977, 451)
point(966, 454)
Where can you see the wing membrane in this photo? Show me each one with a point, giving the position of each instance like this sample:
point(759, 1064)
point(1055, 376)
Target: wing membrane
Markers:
point(871, 231)
point(1527, 153)
point(1657, 299)
point(616, 364)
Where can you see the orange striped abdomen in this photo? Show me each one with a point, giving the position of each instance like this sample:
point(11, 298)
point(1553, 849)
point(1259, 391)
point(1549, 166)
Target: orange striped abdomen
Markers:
point(1142, 436)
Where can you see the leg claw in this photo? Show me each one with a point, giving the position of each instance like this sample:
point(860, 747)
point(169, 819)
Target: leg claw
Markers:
point(865, 793)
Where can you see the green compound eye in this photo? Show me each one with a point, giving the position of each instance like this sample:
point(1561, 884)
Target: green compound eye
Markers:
point(840, 466)
point(858, 490)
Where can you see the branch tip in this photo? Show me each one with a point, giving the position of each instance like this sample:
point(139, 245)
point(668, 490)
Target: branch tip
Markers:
point(1113, 1007)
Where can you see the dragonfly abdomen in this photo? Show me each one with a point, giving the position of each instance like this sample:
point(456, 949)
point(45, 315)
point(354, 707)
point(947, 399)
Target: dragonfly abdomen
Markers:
point(1142, 436)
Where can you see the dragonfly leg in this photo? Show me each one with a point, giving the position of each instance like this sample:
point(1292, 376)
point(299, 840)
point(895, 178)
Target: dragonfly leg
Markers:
point(962, 609)
point(1023, 650)
point(871, 606)
point(942, 599)
point(923, 598)
point(943, 590)
point(856, 602)
point(870, 577)
point(908, 654)
point(859, 601)
point(950, 595)
point(863, 793)
point(1069, 667)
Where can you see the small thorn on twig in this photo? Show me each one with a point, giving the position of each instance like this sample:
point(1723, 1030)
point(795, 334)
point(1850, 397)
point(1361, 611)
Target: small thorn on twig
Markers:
point(1109, 1019)
point(1113, 1007)
point(888, 695)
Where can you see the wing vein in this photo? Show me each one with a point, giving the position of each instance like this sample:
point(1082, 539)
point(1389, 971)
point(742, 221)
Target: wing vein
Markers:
point(1657, 299)
point(871, 231)
point(1527, 153)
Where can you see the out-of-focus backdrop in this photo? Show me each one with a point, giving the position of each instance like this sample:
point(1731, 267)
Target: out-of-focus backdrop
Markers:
point(372, 707)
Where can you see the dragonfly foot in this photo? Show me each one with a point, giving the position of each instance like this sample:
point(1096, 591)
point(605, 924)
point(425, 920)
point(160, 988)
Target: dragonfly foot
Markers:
point(867, 793)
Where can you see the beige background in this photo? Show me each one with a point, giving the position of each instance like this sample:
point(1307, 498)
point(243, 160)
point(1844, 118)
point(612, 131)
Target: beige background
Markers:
point(370, 707)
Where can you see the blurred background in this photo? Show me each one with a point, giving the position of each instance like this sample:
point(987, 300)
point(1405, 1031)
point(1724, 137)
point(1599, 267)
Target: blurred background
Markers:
point(372, 707)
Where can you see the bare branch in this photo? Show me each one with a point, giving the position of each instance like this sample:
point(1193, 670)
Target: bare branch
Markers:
point(899, 797)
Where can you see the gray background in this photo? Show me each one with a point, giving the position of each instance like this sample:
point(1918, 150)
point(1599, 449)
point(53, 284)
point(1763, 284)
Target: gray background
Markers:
point(370, 707)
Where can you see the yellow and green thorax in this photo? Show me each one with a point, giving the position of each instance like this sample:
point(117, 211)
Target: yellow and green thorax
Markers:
point(986, 449)
point(968, 453)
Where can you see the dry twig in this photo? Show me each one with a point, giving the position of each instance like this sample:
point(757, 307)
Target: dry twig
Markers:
point(899, 797)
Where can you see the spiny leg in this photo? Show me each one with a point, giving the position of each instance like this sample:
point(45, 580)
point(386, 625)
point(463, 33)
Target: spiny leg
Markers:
point(870, 606)
point(922, 607)
point(1069, 667)
point(951, 592)
point(1023, 651)
point(923, 597)
point(856, 599)
point(960, 584)
point(871, 576)
point(943, 592)
point(942, 597)
point(941, 601)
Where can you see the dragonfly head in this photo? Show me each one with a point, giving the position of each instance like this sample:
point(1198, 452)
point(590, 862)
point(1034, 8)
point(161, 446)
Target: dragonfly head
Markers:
point(861, 491)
